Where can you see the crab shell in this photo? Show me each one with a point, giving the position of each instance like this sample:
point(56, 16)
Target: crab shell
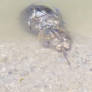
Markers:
point(38, 18)
point(56, 39)
point(46, 24)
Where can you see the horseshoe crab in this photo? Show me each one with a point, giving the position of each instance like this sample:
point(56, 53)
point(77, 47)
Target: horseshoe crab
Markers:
point(46, 24)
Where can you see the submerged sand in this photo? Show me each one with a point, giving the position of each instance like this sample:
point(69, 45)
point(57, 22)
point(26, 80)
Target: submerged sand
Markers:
point(25, 66)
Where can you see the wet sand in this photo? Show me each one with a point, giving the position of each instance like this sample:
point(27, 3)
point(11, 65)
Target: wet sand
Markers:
point(27, 66)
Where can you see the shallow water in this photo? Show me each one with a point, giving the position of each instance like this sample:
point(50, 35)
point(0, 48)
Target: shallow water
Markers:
point(25, 65)
point(76, 14)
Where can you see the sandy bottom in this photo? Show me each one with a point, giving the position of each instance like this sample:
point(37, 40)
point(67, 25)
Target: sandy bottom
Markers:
point(25, 66)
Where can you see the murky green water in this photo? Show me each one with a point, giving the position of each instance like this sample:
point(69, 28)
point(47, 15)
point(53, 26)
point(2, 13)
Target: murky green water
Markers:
point(77, 15)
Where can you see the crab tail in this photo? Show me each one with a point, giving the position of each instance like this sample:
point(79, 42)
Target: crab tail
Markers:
point(65, 55)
